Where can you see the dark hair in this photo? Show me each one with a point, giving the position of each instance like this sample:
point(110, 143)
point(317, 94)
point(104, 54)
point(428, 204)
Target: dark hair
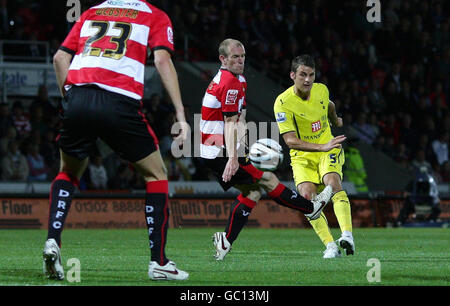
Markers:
point(302, 60)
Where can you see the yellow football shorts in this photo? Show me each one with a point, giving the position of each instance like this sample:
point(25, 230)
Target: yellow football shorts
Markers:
point(313, 166)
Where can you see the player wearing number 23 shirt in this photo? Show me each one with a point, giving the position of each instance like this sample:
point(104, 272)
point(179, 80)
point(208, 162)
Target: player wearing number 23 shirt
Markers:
point(109, 46)
point(100, 72)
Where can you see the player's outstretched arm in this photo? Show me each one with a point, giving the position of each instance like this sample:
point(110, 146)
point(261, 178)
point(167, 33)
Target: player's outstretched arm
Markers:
point(293, 142)
point(169, 78)
point(230, 135)
point(61, 64)
point(242, 128)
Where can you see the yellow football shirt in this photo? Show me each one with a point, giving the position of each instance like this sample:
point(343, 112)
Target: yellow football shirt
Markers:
point(307, 118)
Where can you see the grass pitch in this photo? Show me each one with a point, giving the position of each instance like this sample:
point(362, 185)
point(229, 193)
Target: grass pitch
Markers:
point(260, 257)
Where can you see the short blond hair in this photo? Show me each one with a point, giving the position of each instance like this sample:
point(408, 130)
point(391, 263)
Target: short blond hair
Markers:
point(224, 46)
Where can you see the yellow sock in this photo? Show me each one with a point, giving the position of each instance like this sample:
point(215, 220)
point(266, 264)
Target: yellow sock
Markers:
point(342, 210)
point(320, 226)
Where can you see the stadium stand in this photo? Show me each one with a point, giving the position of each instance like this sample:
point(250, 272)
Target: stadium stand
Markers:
point(394, 100)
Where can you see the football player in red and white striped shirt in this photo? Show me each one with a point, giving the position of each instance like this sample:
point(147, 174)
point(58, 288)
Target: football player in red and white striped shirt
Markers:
point(222, 127)
point(100, 71)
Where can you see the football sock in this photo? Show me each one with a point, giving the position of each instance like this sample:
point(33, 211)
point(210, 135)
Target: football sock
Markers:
point(157, 218)
point(239, 212)
point(61, 193)
point(342, 210)
point(320, 226)
point(289, 198)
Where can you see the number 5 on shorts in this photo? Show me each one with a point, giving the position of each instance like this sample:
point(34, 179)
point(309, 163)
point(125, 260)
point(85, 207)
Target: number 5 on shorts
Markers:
point(333, 158)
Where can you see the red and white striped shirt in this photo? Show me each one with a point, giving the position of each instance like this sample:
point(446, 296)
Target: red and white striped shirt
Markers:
point(109, 43)
point(225, 96)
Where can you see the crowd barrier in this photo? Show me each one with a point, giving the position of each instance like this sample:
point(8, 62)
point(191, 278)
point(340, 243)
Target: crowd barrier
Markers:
point(126, 211)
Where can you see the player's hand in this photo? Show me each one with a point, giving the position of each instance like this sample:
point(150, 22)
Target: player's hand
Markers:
point(182, 127)
point(334, 143)
point(230, 169)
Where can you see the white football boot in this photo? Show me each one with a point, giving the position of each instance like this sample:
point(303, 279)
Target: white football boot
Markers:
point(319, 202)
point(332, 251)
point(52, 260)
point(223, 247)
point(167, 272)
point(346, 242)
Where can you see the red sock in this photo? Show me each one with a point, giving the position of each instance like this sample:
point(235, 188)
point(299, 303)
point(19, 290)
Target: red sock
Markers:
point(157, 218)
point(61, 194)
point(239, 213)
point(289, 198)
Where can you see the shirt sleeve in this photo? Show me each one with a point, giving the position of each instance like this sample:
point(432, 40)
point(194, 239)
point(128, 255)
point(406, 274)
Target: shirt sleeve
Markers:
point(284, 118)
point(326, 99)
point(161, 33)
point(244, 105)
point(71, 43)
point(229, 101)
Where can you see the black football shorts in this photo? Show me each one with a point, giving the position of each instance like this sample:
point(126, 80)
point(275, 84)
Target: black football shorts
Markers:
point(89, 113)
point(246, 174)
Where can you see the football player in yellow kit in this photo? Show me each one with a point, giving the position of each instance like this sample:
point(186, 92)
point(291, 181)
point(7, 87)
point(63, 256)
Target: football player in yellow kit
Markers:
point(304, 113)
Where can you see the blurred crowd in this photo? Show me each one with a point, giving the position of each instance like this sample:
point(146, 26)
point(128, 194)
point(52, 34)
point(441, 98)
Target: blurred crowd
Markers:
point(29, 146)
point(389, 80)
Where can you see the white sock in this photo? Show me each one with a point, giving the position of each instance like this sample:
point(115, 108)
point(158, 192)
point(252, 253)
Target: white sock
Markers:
point(347, 234)
point(331, 244)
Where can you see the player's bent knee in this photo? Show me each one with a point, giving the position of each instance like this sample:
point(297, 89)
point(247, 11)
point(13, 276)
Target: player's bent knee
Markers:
point(334, 180)
point(307, 190)
point(254, 195)
point(152, 167)
point(268, 181)
point(250, 191)
point(72, 165)
point(155, 173)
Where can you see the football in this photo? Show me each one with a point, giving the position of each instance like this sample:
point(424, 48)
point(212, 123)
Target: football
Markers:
point(266, 154)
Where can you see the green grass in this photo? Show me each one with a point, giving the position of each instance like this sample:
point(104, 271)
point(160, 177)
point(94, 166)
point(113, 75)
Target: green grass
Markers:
point(260, 257)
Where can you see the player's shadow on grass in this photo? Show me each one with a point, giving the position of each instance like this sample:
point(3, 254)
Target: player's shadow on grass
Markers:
point(88, 277)
point(22, 276)
point(414, 259)
point(434, 278)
